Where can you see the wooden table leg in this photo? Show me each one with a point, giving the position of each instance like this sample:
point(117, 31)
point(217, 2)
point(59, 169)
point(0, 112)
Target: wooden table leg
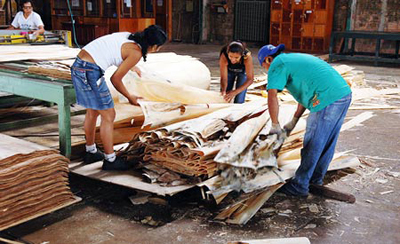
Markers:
point(64, 128)
point(353, 45)
point(377, 49)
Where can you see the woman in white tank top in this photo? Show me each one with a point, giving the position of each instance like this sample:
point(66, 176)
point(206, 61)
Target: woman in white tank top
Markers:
point(123, 50)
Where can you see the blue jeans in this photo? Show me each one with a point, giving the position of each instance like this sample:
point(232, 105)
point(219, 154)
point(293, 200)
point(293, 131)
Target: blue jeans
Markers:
point(90, 86)
point(319, 144)
point(241, 79)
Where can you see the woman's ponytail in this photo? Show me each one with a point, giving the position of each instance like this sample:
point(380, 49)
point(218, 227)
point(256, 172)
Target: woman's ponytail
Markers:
point(152, 35)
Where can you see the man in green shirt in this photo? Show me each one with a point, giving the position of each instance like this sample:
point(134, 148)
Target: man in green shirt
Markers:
point(318, 87)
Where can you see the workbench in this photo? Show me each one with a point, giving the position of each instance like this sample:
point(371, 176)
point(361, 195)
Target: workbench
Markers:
point(350, 54)
point(43, 88)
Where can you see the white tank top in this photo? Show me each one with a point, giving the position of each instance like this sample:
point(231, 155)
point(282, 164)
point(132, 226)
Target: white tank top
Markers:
point(106, 50)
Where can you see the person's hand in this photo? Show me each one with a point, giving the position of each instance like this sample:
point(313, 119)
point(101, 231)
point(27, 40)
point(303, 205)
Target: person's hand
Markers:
point(133, 100)
point(276, 129)
point(229, 95)
point(223, 93)
point(137, 71)
point(290, 126)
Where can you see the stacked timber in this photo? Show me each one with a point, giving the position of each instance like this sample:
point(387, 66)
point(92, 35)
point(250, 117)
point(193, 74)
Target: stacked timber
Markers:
point(31, 185)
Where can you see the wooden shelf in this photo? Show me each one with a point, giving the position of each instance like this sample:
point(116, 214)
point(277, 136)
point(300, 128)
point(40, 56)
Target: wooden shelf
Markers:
point(302, 25)
point(109, 16)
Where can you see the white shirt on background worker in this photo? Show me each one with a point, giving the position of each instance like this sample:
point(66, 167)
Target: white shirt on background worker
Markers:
point(31, 23)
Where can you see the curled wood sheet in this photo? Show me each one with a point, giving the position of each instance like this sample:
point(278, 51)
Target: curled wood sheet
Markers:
point(160, 91)
point(159, 114)
point(241, 138)
point(167, 77)
point(178, 69)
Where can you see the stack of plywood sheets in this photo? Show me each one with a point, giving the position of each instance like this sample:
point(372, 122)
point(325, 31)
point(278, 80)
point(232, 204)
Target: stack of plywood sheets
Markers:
point(31, 184)
point(51, 69)
point(36, 52)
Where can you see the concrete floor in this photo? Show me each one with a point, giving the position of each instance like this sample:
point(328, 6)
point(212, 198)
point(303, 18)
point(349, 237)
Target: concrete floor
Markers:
point(105, 215)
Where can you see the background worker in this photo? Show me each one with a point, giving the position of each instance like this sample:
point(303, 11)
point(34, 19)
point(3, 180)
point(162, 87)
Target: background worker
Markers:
point(318, 87)
point(27, 19)
point(123, 50)
point(235, 63)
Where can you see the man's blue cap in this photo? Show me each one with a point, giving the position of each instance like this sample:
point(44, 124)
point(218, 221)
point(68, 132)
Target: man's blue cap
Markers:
point(269, 50)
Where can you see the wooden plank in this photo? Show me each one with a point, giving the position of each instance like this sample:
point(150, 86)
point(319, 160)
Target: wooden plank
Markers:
point(332, 193)
point(357, 120)
point(131, 179)
point(292, 240)
point(9, 241)
point(75, 200)
point(252, 205)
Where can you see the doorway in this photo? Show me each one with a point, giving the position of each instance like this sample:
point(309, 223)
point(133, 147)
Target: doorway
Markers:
point(252, 20)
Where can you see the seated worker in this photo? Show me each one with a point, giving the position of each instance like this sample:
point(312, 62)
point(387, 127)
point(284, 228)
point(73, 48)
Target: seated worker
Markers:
point(123, 50)
point(235, 63)
point(318, 87)
point(27, 19)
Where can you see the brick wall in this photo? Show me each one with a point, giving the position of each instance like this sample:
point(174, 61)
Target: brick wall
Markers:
point(340, 15)
point(377, 15)
point(185, 21)
point(2, 18)
point(2, 14)
point(219, 27)
point(221, 24)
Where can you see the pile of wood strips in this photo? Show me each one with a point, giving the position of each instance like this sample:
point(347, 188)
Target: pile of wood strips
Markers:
point(32, 184)
point(227, 150)
point(52, 69)
point(189, 147)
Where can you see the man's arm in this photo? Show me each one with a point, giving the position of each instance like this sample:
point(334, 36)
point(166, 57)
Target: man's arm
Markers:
point(39, 31)
point(299, 111)
point(39, 23)
point(273, 105)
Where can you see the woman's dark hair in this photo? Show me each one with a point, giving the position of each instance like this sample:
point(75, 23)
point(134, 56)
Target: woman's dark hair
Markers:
point(236, 47)
point(26, 1)
point(152, 35)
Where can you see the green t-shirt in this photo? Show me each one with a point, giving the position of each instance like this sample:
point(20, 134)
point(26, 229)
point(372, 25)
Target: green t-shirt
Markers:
point(311, 81)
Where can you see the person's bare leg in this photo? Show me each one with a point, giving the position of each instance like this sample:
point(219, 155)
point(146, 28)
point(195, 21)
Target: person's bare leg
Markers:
point(90, 125)
point(106, 129)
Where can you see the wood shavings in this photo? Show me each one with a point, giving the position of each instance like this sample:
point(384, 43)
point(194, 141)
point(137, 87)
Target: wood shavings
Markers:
point(386, 192)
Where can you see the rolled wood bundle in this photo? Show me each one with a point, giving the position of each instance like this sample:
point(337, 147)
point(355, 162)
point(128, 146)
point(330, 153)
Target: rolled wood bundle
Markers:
point(32, 184)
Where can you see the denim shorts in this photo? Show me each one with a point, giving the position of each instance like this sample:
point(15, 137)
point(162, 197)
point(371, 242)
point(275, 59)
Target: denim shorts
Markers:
point(90, 86)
